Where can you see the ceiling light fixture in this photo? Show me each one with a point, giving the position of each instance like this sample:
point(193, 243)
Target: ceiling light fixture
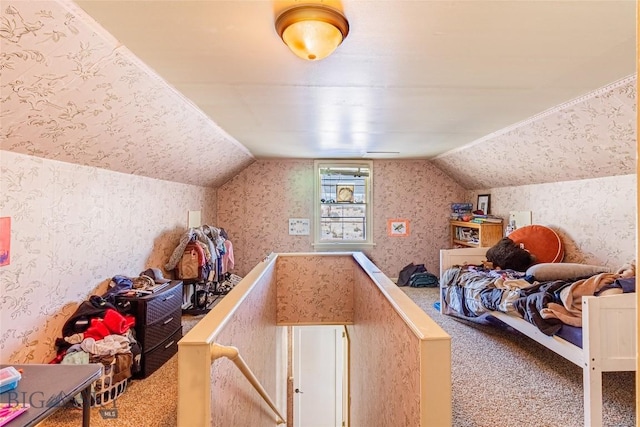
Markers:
point(312, 31)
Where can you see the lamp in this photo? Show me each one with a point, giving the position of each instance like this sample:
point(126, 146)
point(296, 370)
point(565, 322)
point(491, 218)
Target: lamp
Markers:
point(312, 31)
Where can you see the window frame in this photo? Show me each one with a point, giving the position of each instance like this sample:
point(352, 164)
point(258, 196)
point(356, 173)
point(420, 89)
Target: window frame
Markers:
point(344, 245)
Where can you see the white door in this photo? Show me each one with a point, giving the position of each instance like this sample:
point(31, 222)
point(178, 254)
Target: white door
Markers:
point(318, 360)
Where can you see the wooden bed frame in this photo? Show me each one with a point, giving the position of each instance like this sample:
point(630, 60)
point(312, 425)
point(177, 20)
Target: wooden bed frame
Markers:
point(608, 334)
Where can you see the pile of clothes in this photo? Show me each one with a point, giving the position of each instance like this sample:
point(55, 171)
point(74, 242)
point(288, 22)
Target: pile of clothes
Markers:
point(100, 332)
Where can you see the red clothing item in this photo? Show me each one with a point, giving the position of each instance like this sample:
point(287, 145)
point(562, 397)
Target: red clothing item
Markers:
point(116, 322)
point(97, 330)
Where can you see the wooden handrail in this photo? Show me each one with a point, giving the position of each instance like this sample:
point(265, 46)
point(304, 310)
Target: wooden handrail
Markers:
point(232, 353)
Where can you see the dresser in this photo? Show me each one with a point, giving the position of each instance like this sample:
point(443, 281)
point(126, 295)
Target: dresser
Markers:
point(158, 325)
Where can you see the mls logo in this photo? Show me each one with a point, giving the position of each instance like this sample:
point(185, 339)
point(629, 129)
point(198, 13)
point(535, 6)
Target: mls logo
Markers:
point(109, 413)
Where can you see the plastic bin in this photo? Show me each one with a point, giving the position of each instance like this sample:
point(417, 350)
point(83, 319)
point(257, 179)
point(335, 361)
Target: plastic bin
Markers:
point(9, 378)
point(103, 390)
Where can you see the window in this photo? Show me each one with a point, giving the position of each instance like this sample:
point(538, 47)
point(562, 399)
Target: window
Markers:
point(343, 204)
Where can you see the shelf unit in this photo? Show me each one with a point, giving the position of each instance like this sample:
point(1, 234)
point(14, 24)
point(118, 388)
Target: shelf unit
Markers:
point(475, 235)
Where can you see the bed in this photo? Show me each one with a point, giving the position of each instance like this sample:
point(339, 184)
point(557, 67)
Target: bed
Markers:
point(608, 331)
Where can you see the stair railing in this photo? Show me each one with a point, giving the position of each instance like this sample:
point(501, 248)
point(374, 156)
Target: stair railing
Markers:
point(232, 353)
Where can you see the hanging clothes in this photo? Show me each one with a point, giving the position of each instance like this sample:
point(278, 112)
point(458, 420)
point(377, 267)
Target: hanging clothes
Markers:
point(228, 261)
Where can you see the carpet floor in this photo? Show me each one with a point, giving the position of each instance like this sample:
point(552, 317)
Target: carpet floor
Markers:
point(500, 378)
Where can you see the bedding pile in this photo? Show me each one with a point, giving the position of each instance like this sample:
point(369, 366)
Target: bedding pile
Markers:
point(473, 291)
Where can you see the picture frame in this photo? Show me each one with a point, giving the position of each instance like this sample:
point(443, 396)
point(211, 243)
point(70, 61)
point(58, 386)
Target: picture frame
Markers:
point(344, 193)
point(398, 227)
point(484, 203)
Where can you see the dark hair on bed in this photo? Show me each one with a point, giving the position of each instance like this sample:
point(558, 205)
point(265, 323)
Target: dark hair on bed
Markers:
point(507, 255)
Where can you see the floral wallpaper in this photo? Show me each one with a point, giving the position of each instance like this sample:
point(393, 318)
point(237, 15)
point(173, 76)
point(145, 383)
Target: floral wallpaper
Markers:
point(422, 193)
point(380, 334)
point(380, 337)
point(74, 227)
point(595, 218)
point(101, 160)
point(589, 137)
point(72, 92)
point(573, 167)
point(315, 289)
point(252, 329)
point(255, 206)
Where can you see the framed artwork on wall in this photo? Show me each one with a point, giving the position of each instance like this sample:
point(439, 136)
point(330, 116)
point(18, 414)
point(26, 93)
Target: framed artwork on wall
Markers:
point(398, 227)
point(484, 203)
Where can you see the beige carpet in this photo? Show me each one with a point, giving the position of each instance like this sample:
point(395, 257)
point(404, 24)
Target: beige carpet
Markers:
point(500, 379)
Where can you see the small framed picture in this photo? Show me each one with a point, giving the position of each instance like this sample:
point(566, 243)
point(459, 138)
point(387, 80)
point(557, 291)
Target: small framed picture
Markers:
point(398, 227)
point(344, 193)
point(484, 203)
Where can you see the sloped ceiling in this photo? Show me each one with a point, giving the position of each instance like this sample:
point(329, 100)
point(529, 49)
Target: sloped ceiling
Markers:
point(71, 92)
point(589, 137)
point(417, 77)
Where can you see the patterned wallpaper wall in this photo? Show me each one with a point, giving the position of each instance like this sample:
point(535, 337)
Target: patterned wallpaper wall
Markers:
point(72, 229)
point(596, 218)
point(587, 148)
point(72, 92)
point(314, 290)
point(307, 286)
point(255, 206)
point(589, 137)
point(91, 224)
point(252, 330)
point(381, 337)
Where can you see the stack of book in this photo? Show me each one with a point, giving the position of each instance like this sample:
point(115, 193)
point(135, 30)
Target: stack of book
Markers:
point(486, 218)
point(460, 210)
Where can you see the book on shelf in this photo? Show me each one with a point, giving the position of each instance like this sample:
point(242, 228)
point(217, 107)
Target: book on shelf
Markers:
point(461, 207)
point(461, 211)
point(480, 219)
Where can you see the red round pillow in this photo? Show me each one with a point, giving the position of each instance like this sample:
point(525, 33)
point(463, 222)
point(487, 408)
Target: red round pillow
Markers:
point(542, 242)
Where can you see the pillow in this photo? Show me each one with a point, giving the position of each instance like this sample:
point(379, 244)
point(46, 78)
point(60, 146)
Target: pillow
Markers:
point(564, 271)
point(541, 241)
point(508, 255)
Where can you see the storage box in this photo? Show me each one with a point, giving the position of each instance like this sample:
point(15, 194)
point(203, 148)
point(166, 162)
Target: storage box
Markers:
point(9, 378)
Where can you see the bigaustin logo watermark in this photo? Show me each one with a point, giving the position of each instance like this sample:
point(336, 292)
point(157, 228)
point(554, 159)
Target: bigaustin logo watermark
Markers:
point(37, 399)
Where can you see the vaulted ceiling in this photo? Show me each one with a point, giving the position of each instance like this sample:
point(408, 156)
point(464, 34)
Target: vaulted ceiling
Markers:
point(414, 77)
point(194, 91)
